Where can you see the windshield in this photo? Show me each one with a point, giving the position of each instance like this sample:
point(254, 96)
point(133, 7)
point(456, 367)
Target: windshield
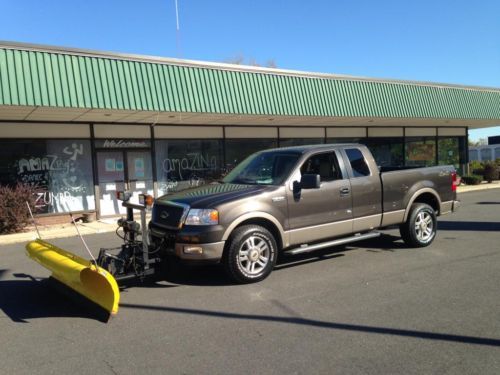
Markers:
point(263, 168)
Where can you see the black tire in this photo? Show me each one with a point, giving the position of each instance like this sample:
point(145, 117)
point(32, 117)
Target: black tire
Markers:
point(238, 266)
point(414, 234)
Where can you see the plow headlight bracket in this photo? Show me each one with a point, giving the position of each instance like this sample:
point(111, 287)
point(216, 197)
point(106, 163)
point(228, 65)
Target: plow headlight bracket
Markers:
point(123, 195)
point(146, 200)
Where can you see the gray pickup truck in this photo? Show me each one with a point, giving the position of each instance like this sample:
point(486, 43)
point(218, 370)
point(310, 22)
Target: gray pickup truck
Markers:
point(296, 200)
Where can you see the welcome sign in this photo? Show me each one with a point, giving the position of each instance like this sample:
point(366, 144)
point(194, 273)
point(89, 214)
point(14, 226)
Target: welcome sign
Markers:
point(122, 143)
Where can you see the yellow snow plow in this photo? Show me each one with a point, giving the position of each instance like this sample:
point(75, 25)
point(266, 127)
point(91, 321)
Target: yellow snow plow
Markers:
point(97, 280)
point(87, 279)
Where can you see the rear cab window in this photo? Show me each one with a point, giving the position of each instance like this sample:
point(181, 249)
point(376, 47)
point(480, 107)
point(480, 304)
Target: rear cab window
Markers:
point(358, 163)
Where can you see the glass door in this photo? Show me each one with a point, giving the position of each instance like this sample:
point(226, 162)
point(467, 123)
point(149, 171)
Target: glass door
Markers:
point(122, 170)
point(139, 173)
point(111, 176)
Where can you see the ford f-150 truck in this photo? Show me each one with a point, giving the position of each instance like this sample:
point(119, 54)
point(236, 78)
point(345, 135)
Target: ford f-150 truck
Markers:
point(299, 199)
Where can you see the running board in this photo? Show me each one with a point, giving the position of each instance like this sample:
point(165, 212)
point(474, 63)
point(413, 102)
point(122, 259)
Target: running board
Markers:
point(340, 241)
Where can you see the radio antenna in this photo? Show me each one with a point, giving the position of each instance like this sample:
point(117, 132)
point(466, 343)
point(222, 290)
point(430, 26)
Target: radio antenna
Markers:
point(177, 30)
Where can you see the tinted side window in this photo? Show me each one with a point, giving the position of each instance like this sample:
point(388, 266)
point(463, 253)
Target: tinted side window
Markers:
point(325, 165)
point(358, 162)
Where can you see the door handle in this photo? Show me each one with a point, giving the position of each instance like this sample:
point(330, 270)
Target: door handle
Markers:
point(344, 191)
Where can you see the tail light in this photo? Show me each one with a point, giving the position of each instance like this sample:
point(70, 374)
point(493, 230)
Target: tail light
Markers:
point(454, 181)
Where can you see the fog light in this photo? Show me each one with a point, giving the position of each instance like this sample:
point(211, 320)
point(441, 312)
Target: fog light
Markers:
point(193, 250)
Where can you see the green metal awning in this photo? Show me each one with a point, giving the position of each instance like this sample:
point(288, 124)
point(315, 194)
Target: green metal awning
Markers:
point(42, 76)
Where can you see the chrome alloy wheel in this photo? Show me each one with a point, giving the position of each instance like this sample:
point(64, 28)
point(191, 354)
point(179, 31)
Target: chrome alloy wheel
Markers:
point(424, 226)
point(253, 255)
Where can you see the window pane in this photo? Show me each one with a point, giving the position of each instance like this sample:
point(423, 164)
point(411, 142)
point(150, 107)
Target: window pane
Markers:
point(420, 151)
point(238, 149)
point(287, 142)
point(358, 163)
point(182, 164)
point(448, 149)
point(61, 171)
point(344, 140)
point(325, 165)
point(386, 151)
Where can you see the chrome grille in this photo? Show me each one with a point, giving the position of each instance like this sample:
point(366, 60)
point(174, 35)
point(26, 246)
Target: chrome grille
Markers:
point(169, 215)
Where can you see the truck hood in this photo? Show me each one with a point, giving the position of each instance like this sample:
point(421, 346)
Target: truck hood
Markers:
point(210, 196)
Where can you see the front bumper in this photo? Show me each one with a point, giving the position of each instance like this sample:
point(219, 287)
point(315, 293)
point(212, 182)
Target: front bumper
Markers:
point(203, 251)
point(191, 243)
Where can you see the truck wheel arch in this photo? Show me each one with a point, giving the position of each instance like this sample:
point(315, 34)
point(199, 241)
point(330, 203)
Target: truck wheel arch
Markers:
point(259, 218)
point(425, 195)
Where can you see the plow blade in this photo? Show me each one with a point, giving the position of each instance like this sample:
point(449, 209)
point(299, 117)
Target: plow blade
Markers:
point(90, 281)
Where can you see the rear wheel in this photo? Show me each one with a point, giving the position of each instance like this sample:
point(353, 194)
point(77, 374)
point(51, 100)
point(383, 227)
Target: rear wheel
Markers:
point(419, 230)
point(250, 254)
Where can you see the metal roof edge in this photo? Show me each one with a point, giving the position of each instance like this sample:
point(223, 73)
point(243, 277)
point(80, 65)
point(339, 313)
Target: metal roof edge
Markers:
point(226, 66)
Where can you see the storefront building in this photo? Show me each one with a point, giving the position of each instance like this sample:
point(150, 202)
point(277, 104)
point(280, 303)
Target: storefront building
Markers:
point(80, 125)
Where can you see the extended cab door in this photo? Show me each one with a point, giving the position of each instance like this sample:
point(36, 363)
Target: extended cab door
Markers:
point(320, 213)
point(366, 188)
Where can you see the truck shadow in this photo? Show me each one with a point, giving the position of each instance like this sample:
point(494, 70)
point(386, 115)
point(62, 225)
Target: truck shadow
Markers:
point(472, 226)
point(286, 261)
point(196, 275)
point(214, 275)
point(386, 242)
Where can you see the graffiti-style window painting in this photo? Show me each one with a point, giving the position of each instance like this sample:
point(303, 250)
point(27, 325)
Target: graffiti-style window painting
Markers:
point(60, 170)
point(183, 164)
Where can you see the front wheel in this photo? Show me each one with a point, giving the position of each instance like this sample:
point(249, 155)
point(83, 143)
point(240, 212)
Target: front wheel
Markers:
point(419, 230)
point(250, 254)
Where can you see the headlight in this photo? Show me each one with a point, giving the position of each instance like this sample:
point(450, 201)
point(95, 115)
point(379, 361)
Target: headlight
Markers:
point(197, 216)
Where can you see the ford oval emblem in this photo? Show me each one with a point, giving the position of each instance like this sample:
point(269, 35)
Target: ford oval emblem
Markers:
point(164, 214)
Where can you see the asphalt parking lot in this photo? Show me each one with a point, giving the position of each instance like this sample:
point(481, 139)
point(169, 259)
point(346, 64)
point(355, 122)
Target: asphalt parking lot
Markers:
point(375, 308)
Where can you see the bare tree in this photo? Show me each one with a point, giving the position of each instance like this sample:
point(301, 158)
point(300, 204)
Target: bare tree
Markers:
point(271, 63)
point(241, 60)
point(479, 142)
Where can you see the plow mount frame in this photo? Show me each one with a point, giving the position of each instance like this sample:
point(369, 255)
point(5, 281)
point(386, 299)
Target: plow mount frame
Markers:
point(147, 263)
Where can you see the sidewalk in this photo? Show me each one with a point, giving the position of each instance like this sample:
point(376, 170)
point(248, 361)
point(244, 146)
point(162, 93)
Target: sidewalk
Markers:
point(59, 231)
point(482, 186)
point(109, 225)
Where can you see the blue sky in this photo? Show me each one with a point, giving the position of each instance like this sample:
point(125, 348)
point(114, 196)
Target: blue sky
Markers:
point(442, 41)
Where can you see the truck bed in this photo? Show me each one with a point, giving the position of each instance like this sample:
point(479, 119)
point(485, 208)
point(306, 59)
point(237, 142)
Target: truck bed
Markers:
point(399, 184)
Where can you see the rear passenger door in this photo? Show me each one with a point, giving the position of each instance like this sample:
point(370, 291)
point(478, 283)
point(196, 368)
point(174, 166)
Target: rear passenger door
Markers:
point(366, 189)
point(315, 214)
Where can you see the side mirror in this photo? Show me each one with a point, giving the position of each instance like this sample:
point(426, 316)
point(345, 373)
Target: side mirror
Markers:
point(310, 181)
